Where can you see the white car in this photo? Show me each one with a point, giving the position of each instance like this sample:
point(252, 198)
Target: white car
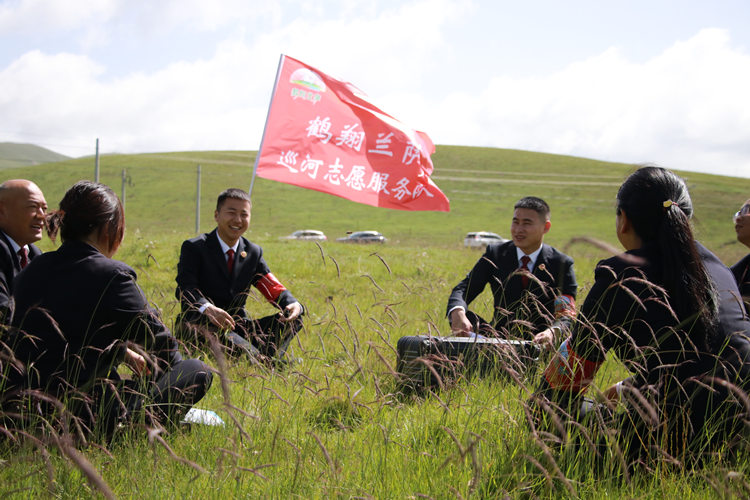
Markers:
point(307, 234)
point(481, 239)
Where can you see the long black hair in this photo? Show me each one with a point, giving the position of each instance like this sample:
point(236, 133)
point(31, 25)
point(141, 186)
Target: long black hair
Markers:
point(88, 207)
point(658, 205)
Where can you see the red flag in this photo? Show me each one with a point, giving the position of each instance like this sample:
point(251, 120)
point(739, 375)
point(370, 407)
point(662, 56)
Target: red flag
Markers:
point(324, 134)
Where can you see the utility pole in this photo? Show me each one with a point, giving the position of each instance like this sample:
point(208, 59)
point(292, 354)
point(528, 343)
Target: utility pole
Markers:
point(96, 164)
point(122, 196)
point(198, 202)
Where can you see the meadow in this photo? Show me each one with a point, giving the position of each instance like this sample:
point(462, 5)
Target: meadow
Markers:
point(338, 424)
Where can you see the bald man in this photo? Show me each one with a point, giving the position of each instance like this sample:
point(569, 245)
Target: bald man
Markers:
point(22, 215)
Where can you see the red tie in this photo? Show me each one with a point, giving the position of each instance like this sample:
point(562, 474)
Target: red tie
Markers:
point(23, 255)
point(230, 261)
point(525, 266)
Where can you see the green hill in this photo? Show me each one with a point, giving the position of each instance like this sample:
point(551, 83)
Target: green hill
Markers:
point(336, 426)
point(22, 155)
point(482, 184)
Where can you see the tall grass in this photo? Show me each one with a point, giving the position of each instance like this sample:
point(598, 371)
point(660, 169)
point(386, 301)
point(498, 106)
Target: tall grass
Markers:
point(338, 425)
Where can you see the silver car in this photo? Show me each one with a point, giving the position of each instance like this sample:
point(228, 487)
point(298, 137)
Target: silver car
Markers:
point(363, 237)
point(481, 239)
point(307, 234)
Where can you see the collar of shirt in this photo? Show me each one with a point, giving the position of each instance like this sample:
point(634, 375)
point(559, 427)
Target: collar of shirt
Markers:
point(16, 246)
point(533, 256)
point(225, 247)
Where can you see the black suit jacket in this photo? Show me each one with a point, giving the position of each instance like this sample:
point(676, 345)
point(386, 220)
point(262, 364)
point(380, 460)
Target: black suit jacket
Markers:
point(10, 266)
point(74, 309)
point(202, 276)
point(680, 385)
point(536, 304)
point(741, 271)
point(627, 312)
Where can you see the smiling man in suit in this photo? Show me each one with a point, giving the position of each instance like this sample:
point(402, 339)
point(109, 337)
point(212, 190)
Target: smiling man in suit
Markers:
point(214, 275)
point(533, 285)
point(22, 215)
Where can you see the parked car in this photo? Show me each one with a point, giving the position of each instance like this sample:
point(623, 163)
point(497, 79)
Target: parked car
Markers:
point(481, 239)
point(363, 237)
point(307, 234)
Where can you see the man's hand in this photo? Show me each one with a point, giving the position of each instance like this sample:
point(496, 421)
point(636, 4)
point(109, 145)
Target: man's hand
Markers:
point(136, 362)
point(219, 317)
point(545, 339)
point(460, 325)
point(291, 312)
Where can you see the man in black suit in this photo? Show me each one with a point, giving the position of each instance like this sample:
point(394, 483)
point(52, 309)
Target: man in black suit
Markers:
point(214, 276)
point(741, 269)
point(80, 315)
point(534, 285)
point(22, 215)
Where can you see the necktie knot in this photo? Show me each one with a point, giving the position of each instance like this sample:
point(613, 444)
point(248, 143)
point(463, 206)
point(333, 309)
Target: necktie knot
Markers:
point(525, 273)
point(230, 260)
point(23, 256)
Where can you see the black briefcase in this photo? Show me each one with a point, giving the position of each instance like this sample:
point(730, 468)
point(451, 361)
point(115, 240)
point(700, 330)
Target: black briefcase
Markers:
point(426, 361)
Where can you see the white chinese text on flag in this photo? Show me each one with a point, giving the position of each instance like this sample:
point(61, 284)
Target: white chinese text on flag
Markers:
point(324, 134)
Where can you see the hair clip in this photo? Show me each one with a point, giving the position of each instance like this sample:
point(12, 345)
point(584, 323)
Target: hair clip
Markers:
point(667, 203)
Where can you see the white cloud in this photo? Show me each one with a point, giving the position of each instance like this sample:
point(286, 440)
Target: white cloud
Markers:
point(43, 95)
point(31, 16)
point(101, 23)
point(391, 49)
point(685, 107)
point(215, 103)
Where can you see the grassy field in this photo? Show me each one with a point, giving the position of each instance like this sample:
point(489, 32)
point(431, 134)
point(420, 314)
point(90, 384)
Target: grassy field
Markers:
point(23, 155)
point(337, 426)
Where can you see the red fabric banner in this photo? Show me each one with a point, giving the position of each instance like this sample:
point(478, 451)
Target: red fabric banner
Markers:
point(324, 134)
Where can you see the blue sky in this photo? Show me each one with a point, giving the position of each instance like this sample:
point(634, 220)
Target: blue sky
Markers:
point(634, 81)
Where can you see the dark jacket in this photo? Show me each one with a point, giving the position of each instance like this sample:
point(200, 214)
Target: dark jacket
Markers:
point(10, 266)
point(74, 309)
point(741, 272)
point(626, 311)
point(498, 266)
point(687, 393)
point(202, 276)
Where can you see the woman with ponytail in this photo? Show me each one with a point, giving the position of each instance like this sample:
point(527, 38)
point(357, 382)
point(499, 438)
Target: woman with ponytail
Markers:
point(80, 314)
point(669, 309)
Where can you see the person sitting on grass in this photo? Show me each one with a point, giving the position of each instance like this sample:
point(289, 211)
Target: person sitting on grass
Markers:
point(80, 315)
point(668, 309)
point(533, 285)
point(741, 269)
point(214, 276)
point(22, 212)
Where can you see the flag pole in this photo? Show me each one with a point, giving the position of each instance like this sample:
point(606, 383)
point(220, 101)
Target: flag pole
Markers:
point(263, 138)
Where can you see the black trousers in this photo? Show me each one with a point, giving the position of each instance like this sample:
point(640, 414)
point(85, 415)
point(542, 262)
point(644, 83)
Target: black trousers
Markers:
point(164, 399)
point(484, 327)
point(480, 325)
point(519, 330)
point(99, 405)
point(178, 383)
point(699, 417)
point(267, 336)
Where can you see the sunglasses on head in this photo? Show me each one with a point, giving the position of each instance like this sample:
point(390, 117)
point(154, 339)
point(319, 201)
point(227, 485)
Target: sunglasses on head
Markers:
point(745, 210)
